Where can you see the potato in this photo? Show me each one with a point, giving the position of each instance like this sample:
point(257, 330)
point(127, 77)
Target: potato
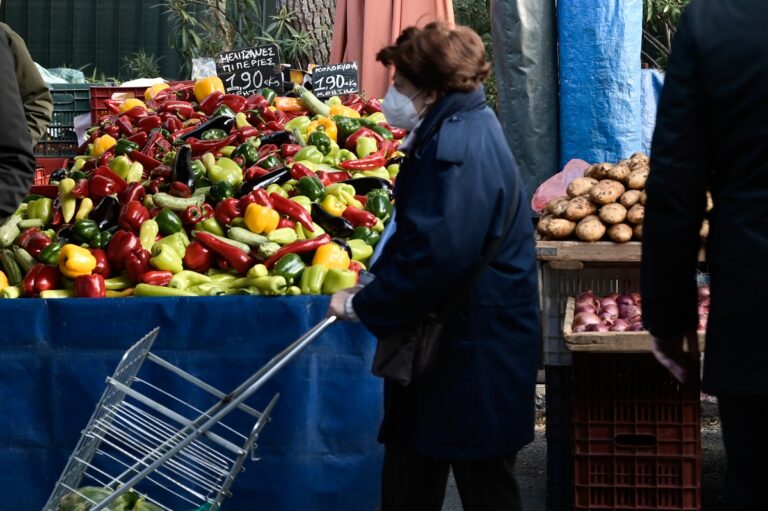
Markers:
point(613, 214)
point(619, 173)
point(639, 158)
point(578, 208)
point(606, 192)
point(637, 179)
point(598, 170)
point(636, 214)
point(637, 166)
point(704, 232)
point(620, 233)
point(643, 197)
point(541, 226)
point(590, 229)
point(580, 186)
point(637, 232)
point(556, 207)
point(630, 198)
point(560, 228)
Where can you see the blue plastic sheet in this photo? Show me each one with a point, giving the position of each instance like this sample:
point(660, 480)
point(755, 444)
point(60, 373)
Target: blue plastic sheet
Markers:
point(652, 81)
point(318, 453)
point(600, 111)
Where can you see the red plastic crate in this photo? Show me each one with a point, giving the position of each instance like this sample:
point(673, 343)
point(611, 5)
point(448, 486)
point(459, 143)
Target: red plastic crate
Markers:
point(44, 167)
point(100, 93)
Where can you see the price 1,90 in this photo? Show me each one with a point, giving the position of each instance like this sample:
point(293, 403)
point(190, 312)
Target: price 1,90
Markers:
point(250, 80)
point(334, 82)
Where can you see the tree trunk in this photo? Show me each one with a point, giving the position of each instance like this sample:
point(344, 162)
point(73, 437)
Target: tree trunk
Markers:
point(218, 9)
point(316, 18)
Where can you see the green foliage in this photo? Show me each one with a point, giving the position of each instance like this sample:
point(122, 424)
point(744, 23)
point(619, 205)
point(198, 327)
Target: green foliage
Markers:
point(476, 14)
point(142, 64)
point(660, 24)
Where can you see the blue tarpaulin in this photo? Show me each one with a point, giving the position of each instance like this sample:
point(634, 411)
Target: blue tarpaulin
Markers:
point(600, 109)
point(652, 81)
point(318, 453)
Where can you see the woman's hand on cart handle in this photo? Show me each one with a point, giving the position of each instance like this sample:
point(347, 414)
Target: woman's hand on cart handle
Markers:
point(341, 304)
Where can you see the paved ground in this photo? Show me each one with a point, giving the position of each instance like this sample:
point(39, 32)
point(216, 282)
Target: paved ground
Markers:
point(532, 466)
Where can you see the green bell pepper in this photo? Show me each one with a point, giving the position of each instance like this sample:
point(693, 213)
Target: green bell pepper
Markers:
point(166, 258)
point(271, 162)
point(124, 146)
point(187, 278)
point(268, 94)
point(345, 193)
point(168, 222)
point(345, 126)
point(177, 242)
point(135, 173)
point(224, 111)
point(366, 234)
point(268, 249)
point(169, 158)
point(379, 204)
point(393, 170)
point(312, 279)
point(298, 123)
point(50, 254)
point(121, 165)
point(309, 153)
point(283, 236)
point(289, 266)
point(346, 154)
point(248, 152)
point(210, 225)
point(199, 171)
point(305, 202)
point(101, 240)
point(276, 188)
point(40, 209)
point(311, 187)
point(366, 146)
point(381, 130)
point(319, 139)
point(85, 230)
point(258, 270)
point(221, 190)
point(361, 251)
point(336, 280)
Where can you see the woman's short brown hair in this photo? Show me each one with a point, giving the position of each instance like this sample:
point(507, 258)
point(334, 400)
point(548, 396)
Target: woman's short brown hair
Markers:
point(438, 57)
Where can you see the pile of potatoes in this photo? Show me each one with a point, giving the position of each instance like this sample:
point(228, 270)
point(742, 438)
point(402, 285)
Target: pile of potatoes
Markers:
point(607, 203)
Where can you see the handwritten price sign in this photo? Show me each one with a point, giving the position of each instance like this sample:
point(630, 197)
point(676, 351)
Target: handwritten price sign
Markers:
point(335, 80)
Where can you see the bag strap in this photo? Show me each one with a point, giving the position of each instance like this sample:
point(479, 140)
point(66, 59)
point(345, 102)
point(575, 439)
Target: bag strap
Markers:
point(488, 253)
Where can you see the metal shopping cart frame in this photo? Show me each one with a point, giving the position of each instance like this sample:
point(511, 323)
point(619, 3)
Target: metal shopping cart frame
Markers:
point(143, 434)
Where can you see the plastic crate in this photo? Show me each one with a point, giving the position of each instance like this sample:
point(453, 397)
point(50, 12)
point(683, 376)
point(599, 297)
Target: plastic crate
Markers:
point(636, 435)
point(558, 284)
point(69, 101)
point(100, 93)
point(44, 167)
point(559, 460)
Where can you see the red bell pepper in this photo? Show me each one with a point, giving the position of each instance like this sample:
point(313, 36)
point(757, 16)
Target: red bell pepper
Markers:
point(258, 196)
point(298, 247)
point(126, 126)
point(234, 257)
point(173, 126)
point(40, 277)
point(156, 277)
point(293, 210)
point(212, 102)
point(198, 257)
point(105, 182)
point(158, 184)
point(256, 102)
point(227, 210)
point(359, 217)
point(90, 286)
point(179, 189)
point(234, 102)
point(139, 138)
point(146, 160)
point(267, 150)
point(183, 109)
point(136, 112)
point(121, 244)
point(133, 192)
point(33, 241)
point(276, 125)
point(102, 263)
point(372, 106)
point(137, 263)
point(112, 105)
point(149, 123)
point(286, 222)
point(289, 150)
point(247, 132)
point(192, 215)
point(132, 215)
point(298, 171)
point(371, 161)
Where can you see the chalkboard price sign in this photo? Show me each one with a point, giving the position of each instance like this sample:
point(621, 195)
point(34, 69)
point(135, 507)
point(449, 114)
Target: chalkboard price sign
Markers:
point(335, 79)
point(247, 70)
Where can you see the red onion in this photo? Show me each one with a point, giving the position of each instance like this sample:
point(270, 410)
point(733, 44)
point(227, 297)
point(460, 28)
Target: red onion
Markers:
point(629, 311)
point(579, 329)
point(637, 298)
point(625, 299)
point(636, 327)
point(586, 318)
point(613, 309)
point(598, 327)
point(703, 311)
point(586, 307)
point(607, 318)
point(607, 301)
point(704, 291)
point(612, 296)
point(620, 325)
point(704, 302)
point(587, 298)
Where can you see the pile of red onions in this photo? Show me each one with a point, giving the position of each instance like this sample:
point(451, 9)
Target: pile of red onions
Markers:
point(621, 313)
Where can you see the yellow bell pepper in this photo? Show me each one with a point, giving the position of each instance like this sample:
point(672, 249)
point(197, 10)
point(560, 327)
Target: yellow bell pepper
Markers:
point(326, 125)
point(132, 103)
point(331, 256)
point(152, 91)
point(260, 219)
point(103, 144)
point(344, 111)
point(205, 86)
point(333, 205)
point(75, 261)
point(3, 280)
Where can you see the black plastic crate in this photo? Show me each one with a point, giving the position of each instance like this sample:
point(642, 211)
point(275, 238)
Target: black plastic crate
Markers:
point(69, 101)
point(558, 405)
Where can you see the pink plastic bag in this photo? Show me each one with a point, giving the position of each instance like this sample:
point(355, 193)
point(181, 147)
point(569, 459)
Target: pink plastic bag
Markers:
point(556, 185)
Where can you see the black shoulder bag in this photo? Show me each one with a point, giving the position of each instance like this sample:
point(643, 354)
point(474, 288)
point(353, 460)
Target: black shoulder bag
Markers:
point(414, 351)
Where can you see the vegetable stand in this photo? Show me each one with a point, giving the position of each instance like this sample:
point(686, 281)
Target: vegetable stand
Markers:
point(319, 451)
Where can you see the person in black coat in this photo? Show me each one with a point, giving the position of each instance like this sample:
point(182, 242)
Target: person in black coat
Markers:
point(712, 134)
point(17, 163)
point(454, 195)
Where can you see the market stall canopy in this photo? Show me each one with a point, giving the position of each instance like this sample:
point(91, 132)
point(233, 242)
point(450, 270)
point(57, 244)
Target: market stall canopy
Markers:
point(363, 28)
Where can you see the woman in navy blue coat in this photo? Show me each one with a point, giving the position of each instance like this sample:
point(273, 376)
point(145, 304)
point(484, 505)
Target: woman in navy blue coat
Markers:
point(453, 197)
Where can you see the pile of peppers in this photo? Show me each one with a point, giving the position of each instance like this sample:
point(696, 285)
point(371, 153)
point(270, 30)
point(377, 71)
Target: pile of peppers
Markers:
point(195, 192)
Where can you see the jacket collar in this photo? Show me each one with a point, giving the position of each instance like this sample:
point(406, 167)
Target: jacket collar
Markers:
point(448, 106)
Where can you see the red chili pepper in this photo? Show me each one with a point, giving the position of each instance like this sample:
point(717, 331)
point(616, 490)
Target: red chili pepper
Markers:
point(298, 171)
point(267, 115)
point(254, 172)
point(90, 286)
point(287, 150)
point(298, 247)
point(362, 199)
point(286, 222)
point(157, 185)
point(84, 146)
point(139, 138)
point(358, 217)
point(247, 132)
point(235, 257)
point(156, 277)
point(351, 141)
point(173, 125)
point(147, 161)
point(121, 244)
point(175, 135)
point(137, 263)
point(205, 146)
point(102, 263)
point(293, 210)
point(179, 189)
point(136, 112)
point(275, 125)
point(105, 158)
point(198, 257)
point(372, 106)
point(50, 191)
point(133, 192)
point(258, 196)
point(183, 109)
point(212, 102)
point(371, 161)
point(191, 215)
point(397, 133)
point(256, 102)
point(149, 123)
point(227, 210)
point(58, 218)
point(112, 105)
point(81, 189)
point(267, 150)
point(125, 125)
point(132, 215)
point(355, 267)
point(280, 118)
point(328, 178)
point(40, 277)
point(234, 102)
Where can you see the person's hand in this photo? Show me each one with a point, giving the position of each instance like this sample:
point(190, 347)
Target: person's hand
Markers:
point(339, 301)
point(670, 354)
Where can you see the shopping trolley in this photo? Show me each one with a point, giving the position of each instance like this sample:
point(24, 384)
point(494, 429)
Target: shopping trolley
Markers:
point(151, 443)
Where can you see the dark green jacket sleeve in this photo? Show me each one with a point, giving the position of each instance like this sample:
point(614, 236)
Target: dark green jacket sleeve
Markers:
point(38, 103)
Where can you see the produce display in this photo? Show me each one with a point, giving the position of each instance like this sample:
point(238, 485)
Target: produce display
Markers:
point(81, 501)
point(622, 313)
point(607, 203)
point(194, 192)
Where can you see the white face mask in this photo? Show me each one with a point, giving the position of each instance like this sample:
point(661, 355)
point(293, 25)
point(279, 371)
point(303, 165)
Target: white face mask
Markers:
point(400, 110)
